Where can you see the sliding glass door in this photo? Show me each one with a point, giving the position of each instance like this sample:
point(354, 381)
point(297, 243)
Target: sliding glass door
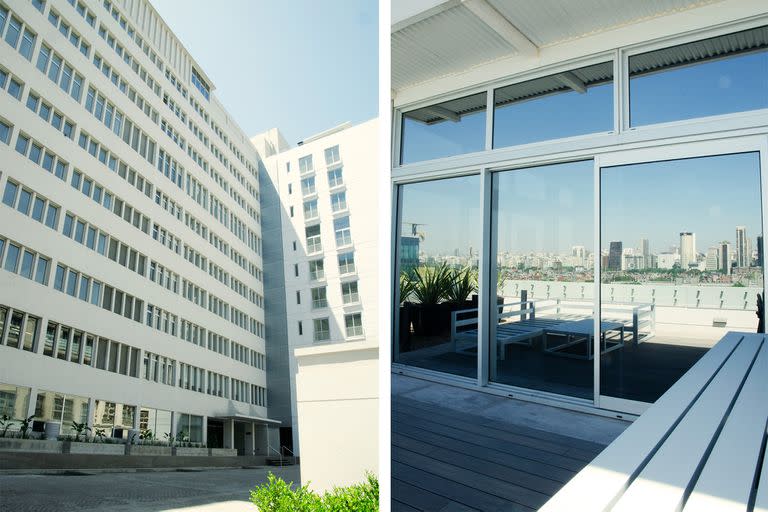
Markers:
point(681, 262)
point(542, 300)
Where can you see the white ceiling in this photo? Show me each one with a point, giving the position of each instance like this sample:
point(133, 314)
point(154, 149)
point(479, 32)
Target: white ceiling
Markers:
point(456, 35)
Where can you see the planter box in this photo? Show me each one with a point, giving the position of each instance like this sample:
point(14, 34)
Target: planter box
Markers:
point(223, 452)
point(30, 445)
point(94, 448)
point(140, 449)
point(188, 451)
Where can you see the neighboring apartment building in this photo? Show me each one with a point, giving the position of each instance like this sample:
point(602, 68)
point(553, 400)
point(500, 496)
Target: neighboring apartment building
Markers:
point(131, 289)
point(329, 258)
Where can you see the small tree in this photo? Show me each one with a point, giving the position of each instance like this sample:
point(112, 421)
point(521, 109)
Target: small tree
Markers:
point(25, 427)
point(5, 424)
point(80, 429)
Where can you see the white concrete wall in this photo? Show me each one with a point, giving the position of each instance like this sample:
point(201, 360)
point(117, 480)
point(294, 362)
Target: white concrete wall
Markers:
point(337, 397)
point(42, 372)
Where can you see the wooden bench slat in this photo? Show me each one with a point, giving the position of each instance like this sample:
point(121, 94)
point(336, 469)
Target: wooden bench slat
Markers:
point(661, 485)
point(725, 482)
point(598, 485)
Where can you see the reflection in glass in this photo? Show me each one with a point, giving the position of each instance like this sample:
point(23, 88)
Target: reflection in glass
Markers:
point(14, 401)
point(565, 104)
point(439, 240)
point(681, 263)
point(543, 219)
point(450, 128)
point(715, 76)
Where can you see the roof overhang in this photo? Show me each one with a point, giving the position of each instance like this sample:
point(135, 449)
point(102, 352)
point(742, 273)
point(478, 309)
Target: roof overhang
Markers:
point(247, 418)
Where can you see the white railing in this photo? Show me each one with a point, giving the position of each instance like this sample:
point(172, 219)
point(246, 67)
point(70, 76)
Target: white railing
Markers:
point(641, 318)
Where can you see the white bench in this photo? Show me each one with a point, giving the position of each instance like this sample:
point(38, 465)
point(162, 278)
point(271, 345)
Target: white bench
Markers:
point(698, 448)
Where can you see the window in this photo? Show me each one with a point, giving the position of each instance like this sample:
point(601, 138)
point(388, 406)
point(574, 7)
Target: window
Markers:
point(308, 186)
point(9, 196)
point(298, 297)
point(532, 111)
point(319, 299)
point(322, 330)
point(305, 164)
point(301, 330)
point(316, 270)
point(714, 76)
point(450, 128)
point(27, 44)
point(339, 201)
point(354, 325)
point(310, 209)
point(349, 293)
point(342, 231)
point(335, 178)
point(314, 243)
point(5, 132)
point(332, 155)
point(346, 263)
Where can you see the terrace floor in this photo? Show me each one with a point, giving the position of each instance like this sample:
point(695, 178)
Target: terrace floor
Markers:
point(455, 449)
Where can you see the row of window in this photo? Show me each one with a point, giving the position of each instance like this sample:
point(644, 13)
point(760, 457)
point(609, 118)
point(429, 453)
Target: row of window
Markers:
point(50, 115)
point(321, 330)
point(342, 233)
point(39, 155)
point(349, 295)
point(306, 164)
point(60, 72)
point(68, 32)
point(17, 35)
point(14, 87)
point(27, 263)
point(124, 54)
point(32, 204)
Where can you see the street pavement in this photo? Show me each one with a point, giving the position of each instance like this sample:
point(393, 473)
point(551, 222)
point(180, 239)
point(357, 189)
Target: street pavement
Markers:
point(221, 490)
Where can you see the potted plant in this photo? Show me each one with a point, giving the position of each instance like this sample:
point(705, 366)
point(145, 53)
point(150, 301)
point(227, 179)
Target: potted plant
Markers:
point(406, 290)
point(463, 284)
point(430, 287)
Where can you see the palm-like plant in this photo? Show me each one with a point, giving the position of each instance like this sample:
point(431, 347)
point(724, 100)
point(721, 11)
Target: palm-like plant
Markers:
point(431, 284)
point(462, 284)
point(406, 286)
point(80, 429)
point(5, 424)
point(25, 426)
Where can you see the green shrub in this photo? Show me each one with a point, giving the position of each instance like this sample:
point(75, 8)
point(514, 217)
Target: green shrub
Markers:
point(278, 496)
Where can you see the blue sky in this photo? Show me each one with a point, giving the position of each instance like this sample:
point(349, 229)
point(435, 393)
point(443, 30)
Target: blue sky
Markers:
point(302, 66)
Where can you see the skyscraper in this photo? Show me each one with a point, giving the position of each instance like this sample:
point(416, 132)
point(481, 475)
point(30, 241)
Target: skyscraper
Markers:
point(713, 258)
point(687, 249)
point(645, 251)
point(615, 254)
point(725, 257)
point(743, 249)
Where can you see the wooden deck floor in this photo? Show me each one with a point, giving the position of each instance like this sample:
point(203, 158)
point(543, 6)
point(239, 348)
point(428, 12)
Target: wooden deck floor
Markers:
point(447, 461)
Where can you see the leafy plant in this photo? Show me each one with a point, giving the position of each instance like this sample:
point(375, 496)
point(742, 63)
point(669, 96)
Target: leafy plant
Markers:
point(170, 437)
point(80, 429)
point(5, 424)
point(99, 433)
point(132, 439)
point(406, 286)
point(24, 429)
point(278, 496)
point(147, 435)
point(431, 284)
point(462, 284)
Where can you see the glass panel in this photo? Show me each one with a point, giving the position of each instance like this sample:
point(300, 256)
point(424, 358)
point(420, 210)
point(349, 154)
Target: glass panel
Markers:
point(704, 78)
point(14, 401)
point(451, 128)
point(441, 218)
point(533, 111)
point(30, 332)
point(543, 218)
point(14, 329)
point(77, 340)
point(50, 339)
point(61, 350)
point(679, 275)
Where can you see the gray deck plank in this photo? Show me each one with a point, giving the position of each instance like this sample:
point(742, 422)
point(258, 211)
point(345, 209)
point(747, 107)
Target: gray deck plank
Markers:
point(478, 465)
point(509, 434)
point(562, 461)
point(486, 484)
point(455, 491)
point(436, 411)
point(493, 454)
point(417, 498)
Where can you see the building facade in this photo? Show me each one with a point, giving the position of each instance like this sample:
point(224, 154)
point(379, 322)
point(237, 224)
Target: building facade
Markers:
point(132, 281)
point(329, 259)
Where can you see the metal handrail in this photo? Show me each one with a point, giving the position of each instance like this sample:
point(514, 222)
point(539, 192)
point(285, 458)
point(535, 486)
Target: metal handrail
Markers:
point(293, 455)
point(279, 453)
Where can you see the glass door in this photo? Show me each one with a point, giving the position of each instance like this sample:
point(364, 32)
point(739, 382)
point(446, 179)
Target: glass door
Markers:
point(681, 262)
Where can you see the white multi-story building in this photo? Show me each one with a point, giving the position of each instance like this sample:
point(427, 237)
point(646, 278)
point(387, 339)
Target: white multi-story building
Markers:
point(131, 289)
point(687, 249)
point(328, 214)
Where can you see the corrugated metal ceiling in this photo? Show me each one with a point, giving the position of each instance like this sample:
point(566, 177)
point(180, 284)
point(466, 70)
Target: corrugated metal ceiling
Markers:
point(455, 39)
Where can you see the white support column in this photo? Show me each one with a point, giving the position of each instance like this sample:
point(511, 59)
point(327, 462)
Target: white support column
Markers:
point(253, 438)
point(31, 406)
point(91, 410)
point(205, 430)
point(174, 422)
